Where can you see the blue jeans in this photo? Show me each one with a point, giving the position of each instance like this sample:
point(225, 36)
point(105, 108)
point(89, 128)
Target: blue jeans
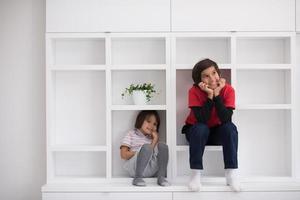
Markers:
point(200, 135)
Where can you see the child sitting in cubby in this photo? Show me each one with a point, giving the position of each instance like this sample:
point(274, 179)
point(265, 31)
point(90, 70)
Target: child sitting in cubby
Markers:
point(144, 156)
point(211, 101)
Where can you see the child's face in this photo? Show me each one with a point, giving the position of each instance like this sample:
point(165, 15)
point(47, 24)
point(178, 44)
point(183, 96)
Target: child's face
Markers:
point(211, 77)
point(149, 125)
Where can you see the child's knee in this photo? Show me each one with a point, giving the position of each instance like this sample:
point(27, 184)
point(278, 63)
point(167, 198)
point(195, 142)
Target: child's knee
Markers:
point(146, 147)
point(162, 146)
point(199, 131)
point(229, 128)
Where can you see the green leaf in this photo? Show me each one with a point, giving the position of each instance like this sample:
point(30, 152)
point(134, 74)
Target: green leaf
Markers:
point(148, 88)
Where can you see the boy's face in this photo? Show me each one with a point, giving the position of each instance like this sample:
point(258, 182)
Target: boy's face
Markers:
point(149, 125)
point(211, 77)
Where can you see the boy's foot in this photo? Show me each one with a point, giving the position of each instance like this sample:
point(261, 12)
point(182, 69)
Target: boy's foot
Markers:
point(232, 179)
point(138, 182)
point(235, 185)
point(195, 182)
point(162, 181)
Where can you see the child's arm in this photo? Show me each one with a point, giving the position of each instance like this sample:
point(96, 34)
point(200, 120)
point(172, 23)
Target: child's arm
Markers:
point(224, 113)
point(204, 87)
point(217, 90)
point(126, 153)
point(154, 139)
point(203, 113)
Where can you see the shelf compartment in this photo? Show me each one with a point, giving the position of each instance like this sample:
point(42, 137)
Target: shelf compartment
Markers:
point(184, 82)
point(79, 164)
point(213, 164)
point(263, 50)
point(263, 87)
point(122, 122)
point(135, 51)
point(269, 133)
point(78, 109)
point(122, 79)
point(78, 51)
point(190, 50)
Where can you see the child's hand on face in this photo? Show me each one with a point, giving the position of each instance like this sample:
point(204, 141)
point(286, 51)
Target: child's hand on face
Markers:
point(154, 134)
point(221, 84)
point(203, 86)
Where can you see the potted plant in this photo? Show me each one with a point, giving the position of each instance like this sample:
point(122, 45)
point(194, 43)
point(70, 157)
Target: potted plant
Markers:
point(141, 93)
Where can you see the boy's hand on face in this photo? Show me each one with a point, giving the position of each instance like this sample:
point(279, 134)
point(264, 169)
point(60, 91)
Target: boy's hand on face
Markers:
point(204, 87)
point(221, 84)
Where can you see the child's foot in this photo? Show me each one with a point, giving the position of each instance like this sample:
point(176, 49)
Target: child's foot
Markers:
point(195, 183)
point(232, 179)
point(138, 182)
point(162, 181)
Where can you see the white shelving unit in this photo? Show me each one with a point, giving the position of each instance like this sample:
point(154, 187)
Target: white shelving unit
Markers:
point(87, 117)
point(187, 49)
point(260, 68)
point(95, 50)
point(265, 117)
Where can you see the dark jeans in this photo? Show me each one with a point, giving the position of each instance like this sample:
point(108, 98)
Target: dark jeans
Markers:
point(200, 135)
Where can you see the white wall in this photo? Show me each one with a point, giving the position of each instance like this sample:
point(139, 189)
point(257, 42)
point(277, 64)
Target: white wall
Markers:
point(22, 99)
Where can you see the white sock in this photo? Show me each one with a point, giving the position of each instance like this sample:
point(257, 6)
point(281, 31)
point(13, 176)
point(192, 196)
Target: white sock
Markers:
point(195, 183)
point(232, 179)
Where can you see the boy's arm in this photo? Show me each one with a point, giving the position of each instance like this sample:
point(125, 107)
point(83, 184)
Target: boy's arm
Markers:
point(224, 113)
point(202, 113)
point(126, 153)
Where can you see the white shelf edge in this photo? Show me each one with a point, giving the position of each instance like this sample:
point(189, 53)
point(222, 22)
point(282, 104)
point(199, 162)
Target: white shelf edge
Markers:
point(249, 35)
point(57, 148)
point(76, 35)
point(175, 187)
point(110, 187)
point(139, 67)
point(190, 66)
point(138, 107)
point(76, 67)
point(138, 35)
point(264, 66)
point(245, 179)
point(177, 180)
point(205, 35)
point(263, 106)
point(207, 148)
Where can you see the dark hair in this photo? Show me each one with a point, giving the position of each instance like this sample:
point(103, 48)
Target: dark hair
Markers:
point(143, 115)
point(203, 65)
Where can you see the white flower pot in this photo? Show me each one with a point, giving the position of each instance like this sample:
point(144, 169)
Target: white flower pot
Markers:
point(139, 97)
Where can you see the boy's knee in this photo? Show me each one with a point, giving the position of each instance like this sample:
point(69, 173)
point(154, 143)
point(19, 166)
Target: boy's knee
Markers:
point(229, 128)
point(199, 130)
